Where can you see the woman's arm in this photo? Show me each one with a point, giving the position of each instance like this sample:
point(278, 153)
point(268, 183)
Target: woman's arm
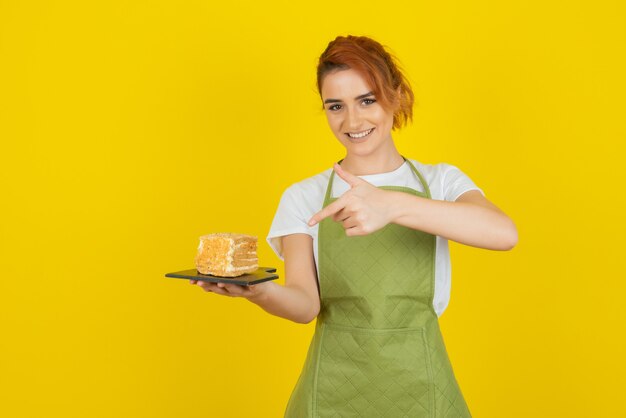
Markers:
point(470, 220)
point(298, 300)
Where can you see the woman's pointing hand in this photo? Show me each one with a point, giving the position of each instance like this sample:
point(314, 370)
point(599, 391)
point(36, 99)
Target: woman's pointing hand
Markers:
point(362, 210)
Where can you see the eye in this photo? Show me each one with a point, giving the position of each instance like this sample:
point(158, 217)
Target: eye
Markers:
point(333, 107)
point(369, 100)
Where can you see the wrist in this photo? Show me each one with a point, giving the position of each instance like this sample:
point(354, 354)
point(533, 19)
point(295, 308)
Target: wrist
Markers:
point(261, 292)
point(397, 207)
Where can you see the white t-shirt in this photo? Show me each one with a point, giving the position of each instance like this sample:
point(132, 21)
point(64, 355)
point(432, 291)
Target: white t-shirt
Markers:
point(303, 199)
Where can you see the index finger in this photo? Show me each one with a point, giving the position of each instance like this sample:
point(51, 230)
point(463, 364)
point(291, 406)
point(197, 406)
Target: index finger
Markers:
point(331, 209)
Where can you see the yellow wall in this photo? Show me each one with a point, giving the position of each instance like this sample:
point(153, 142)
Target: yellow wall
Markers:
point(129, 129)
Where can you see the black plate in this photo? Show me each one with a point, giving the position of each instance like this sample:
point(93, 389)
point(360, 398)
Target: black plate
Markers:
point(263, 274)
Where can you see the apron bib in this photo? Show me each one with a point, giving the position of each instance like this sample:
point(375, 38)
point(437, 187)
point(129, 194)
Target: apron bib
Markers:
point(377, 350)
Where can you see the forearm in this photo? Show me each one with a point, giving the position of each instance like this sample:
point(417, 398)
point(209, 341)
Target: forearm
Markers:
point(463, 222)
point(286, 302)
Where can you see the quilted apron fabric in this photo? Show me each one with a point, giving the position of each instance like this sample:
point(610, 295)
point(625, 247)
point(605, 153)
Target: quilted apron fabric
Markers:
point(377, 350)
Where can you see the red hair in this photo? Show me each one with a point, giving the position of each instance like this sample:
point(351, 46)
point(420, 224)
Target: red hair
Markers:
point(377, 66)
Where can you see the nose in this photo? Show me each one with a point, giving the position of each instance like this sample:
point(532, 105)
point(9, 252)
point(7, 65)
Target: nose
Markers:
point(353, 120)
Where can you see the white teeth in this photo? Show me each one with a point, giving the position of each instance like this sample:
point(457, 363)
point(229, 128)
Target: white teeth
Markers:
point(361, 135)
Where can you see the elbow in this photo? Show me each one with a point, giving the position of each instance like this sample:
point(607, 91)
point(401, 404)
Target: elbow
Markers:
point(510, 245)
point(310, 316)
point(305, 320)
point(510, 237)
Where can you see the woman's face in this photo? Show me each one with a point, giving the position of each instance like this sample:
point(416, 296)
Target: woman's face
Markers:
point(351, 108)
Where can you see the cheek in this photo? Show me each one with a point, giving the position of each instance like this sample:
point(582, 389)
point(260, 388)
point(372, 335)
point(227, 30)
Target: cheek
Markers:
point(384, 118)
point(334, 123)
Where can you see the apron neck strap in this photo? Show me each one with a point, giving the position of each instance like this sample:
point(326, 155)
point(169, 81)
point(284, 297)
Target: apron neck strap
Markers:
point(417, 173)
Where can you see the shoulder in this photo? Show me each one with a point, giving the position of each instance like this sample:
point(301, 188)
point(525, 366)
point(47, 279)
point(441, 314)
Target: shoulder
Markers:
point(446, 181)
point(309, 187)
point(306, 196)
point(434, 174)
point(433, 171)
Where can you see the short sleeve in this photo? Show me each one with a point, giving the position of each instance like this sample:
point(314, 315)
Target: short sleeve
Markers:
point(288, 219)
point(456, 182)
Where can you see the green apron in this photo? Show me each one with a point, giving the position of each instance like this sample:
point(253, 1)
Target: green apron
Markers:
point(377, 350)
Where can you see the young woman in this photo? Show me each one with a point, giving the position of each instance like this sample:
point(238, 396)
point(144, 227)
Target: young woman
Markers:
point(365, 246)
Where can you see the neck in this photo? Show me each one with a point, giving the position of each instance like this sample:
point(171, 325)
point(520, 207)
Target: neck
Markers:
point(372, 164)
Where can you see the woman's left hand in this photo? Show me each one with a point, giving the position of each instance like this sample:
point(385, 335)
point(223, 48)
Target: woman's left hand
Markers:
point(233, 290)
point(362, 210)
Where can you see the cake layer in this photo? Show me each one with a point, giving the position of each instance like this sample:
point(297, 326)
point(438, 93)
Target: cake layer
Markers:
point(227, 254)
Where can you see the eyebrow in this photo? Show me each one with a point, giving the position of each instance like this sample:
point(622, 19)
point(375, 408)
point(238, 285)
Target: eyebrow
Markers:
point(362, 96)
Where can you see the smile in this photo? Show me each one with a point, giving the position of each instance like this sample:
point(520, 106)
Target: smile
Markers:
point(360, 135)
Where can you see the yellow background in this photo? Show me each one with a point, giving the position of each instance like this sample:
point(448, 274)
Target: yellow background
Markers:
point(129, 129)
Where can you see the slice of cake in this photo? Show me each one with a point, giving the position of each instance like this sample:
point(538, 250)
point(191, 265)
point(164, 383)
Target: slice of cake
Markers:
point(227, 254)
